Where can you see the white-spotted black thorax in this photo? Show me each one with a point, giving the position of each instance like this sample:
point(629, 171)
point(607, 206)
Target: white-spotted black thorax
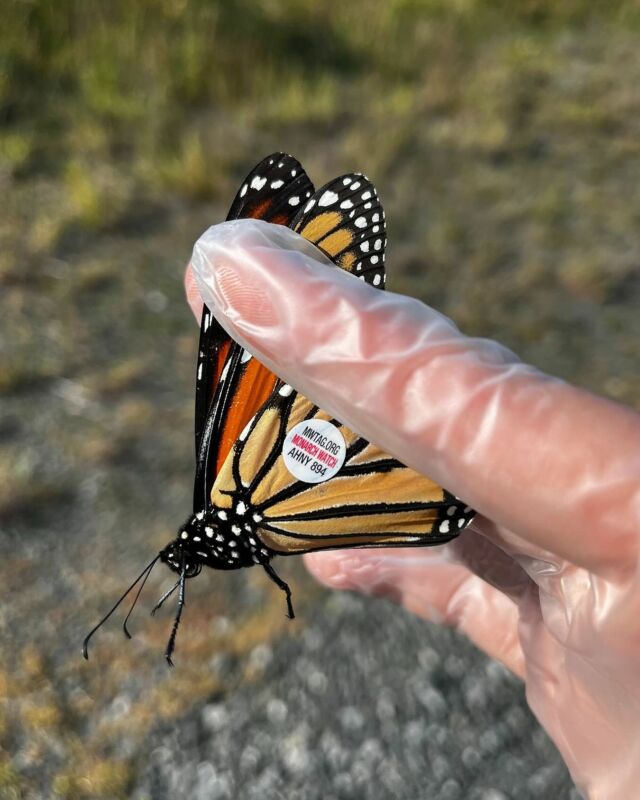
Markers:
point(217, 538)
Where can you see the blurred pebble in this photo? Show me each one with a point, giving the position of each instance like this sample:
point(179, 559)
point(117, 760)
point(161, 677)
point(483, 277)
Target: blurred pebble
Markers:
point(317, 681)
point(351, 719)
point(434, 703)
point(471, 758)
point(276, 711)
point(260, 656)
point(215, 717)
point(450, 790)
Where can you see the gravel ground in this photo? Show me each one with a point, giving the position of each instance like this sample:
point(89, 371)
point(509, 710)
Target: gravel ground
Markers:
point(368, 703)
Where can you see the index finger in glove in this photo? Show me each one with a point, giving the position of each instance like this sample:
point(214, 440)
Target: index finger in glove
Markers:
point(555, 464)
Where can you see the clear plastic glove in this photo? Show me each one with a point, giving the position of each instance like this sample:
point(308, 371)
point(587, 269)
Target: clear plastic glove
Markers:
point(546, 579)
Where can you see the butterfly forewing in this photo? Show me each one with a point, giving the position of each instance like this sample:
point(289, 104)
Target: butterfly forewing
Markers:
point(275, 190)
point(230, 386)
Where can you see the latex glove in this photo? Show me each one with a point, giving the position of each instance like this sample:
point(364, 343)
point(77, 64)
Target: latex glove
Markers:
point(547, 578)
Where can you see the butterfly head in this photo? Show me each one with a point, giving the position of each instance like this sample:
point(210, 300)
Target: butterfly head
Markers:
point(189, 551)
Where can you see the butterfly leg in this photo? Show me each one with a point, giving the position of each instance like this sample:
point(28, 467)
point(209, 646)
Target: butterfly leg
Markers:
point(281, 585)
point(172, 639)
point(165, 596)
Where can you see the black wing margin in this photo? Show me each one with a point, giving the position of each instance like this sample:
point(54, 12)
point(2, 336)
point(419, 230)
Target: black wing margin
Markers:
point(273, 191)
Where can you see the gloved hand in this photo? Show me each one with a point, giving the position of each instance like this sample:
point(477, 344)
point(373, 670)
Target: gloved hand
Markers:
point(547, 578)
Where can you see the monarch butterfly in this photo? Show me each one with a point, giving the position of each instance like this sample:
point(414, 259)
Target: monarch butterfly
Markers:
point(276, 475)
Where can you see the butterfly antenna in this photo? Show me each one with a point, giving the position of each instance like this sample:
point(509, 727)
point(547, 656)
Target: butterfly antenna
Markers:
point(85, 644)
point(171, 644)
point(138, 593)
point(165, 596)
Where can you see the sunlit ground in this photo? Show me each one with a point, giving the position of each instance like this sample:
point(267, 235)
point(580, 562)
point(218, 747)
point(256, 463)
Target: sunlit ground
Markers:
point(505, 148)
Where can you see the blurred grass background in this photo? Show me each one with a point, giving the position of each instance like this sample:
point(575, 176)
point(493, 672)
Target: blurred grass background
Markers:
point(504, 141)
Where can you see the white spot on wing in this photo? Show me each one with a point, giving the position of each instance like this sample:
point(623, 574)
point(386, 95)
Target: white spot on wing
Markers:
point(246, 356)
point(355, 185)
point(309, 205)
point(346, 181)
point(285, 390)
point(222, 514)
point(241, 508)
point(258, 182)
point(200, 366)
point(346, 204)
point(376, 280)
point(293, 201)
point(360, 222)
point(364, 247)
point(243, 191)
point(225, 371)
point(327, 199)
point(245, 431)
point(276, 184)
point(366, 195)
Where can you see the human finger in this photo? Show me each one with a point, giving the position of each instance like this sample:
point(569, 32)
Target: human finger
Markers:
point(432, 585)
point(535, 454)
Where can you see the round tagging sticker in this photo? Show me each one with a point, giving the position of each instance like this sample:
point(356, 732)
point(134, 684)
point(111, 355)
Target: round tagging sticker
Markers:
point(314, 450)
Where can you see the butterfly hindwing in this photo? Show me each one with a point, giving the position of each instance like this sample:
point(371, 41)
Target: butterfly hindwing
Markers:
point(229, 388)
point(373, 501)
point(346, 220)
